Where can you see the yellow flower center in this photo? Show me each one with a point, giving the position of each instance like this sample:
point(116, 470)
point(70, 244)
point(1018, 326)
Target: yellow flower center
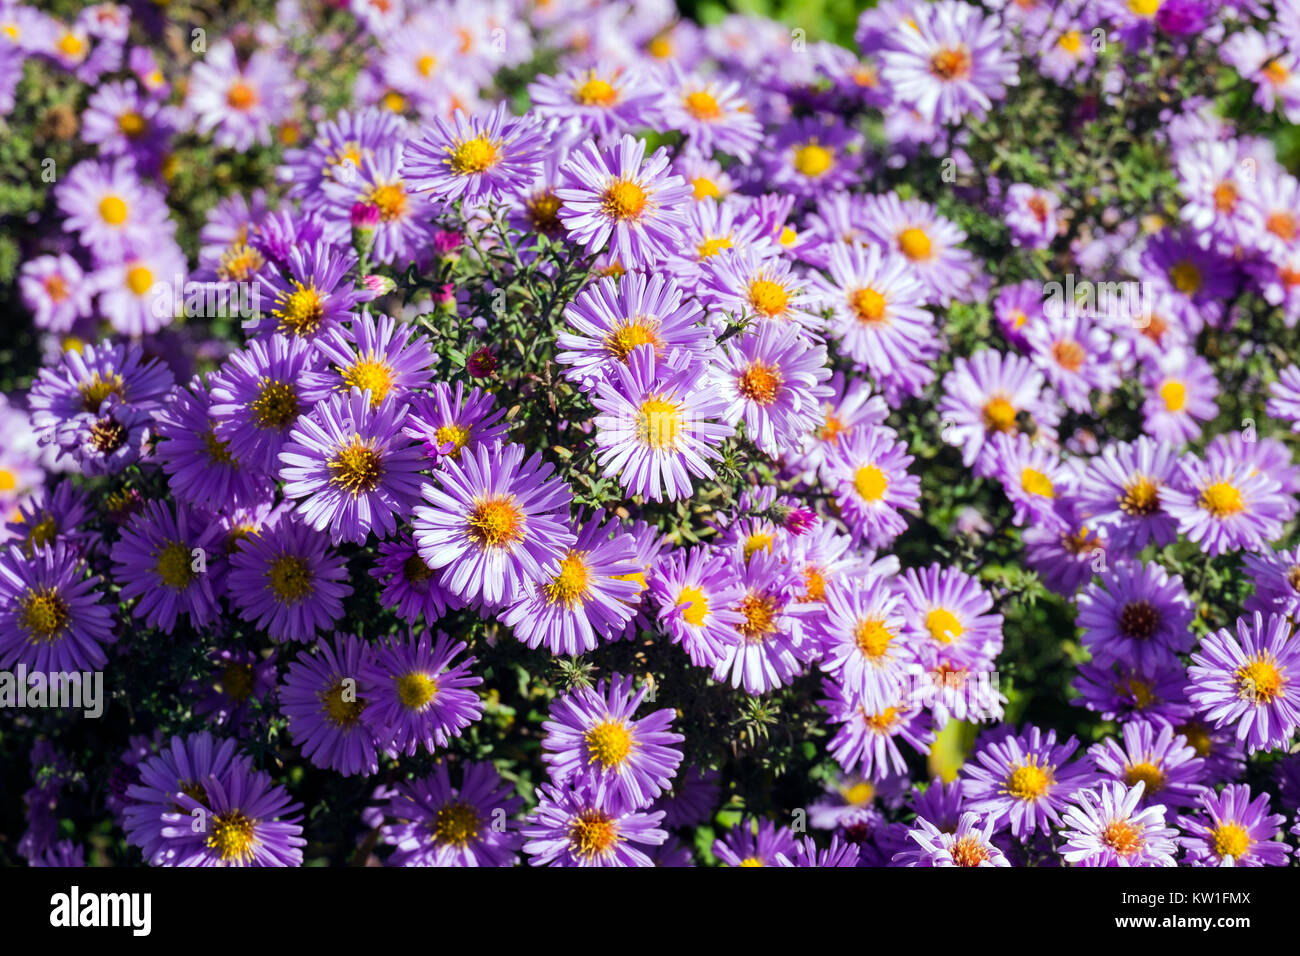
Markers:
point(869, 305)
point(1069, 355)
point(760, 383)
point(697, 608)
point(702, 105)
point(1144, 8)
point(952, 63)
point(475, 155)
point(870, 482)
point(425, 65)
point(999, 415)
point(237, 681)
point(1174, 395)
point(595, 92)
point(357, 467)
point(592, 833)
point(131, 124)
point(573, 582)
point(290, 579)
point(705, 189)
point(759, 613)
point(370, 373)
point(1029, 782)
point(241, 97)
point(239, 263)
point(300, 312)
point(139, 279)
point(94, 390)
point(415, 690)
point(390, 198)
point(1231, 839)
point(43, 614)
point(458, 435)
point(915, 244)
point(456, 825)
point(872, 638)
point(174, 566)
point(276, 405)
point(233, 837)
point(1147, 773)
point(768, 298)
point(658, 423)
point(1036, 483)
point(495, 522)
point(630, 334)
point(1141, 497)
point(1222, 500)
point(968, 851)
point(813, 159)
point(340, 711)
point(112, 209)
point(609, 743)
point(623, 199)
point(1259, 680)
point(1186, 277)
point(1070, 41)
point(1122, 837)
point(71, 45)
point(943, 625)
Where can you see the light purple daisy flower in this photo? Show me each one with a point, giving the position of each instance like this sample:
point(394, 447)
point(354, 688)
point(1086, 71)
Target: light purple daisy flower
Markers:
point(239, 104)
point(1180, 393)
point(947, 615)
point(989, 393)
point(404, 232)
point(415, 696)
point(56, 290)
point(754, 843)
point(436, 824)
point(51, 615)
point(316, 297)
point(751, 284)
point(573, 828)
point(851, 405)
point(1232, 829)
point(697, 594)
point(812, 156)
point(619, 197)
point(448, 422)
point(867, 740)
point(867, 473)
point(249, 821)
point(608, 102)
point(1276, 576)
point(238, 678)
point(1284, 397)
point(1123, 491)
point(1031, 215)
point(380, 355)
point(1249, 681)
point(1225, 506)
point(1104, 827)
point(1138, 614)
point(320, 696)
point(1023, 781)
point(1199, 281)
point(105, 205)
point(862, 643)
point(1126, 692)
point(770, 643)
point(1157, 756)
point(968, 844)
point(1075, 355)
point(162, 558)
point(475, 159)
point(497, 523)
point(1032, 475)
point(337, 152)
point(929, 242)
point(710, 113)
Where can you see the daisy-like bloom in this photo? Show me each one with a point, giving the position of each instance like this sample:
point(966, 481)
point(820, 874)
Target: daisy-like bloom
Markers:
point(574, 828)
point(257, 398)
point(867, 740)
point(948, 61)
point(1249, 682)
point(591, 595)
point(404, 232)
point(437, 824)
point(316, 297)
point(1023, 781)
point(321, 698)
point(807, 853)
point(476, 159)
point(618, 197)
point(53, 515)
point(51, 616)
point(1216, 182)
point(771, 639)
point(56, 291)
point(1232, 829)
point(108, 209)
point(1180, 391)
point(1268, 456)
point(415, 696)
point(1067, 558)
point(338, 150)
point(249, 821)
point(1125, 692)
point(201, 471)
point(750, 284)
point(593, 742)
point(880, 319)
point(710, 231)
point(948, 619)
point(754, 843)
point(710, 113)
point(697, 595)
point(180, 766)
point(122, 120)
point(379, 355)
point(606, 102)
point(238, 678)
point(352, 466)
point(867, 473)
point(1157, 756)
point(990, 393)
point(1122, 490)
point(162, 558)
point(496, 525)
point(1104, 827)
point(692, 798)
point(448, 423)
point(925, 239)
point(611, 318)
point(1225, 506)
point(239, 105)
point(851, 405)
point(1276, 576)
point(811, 157)
point(1284, 397)
point(411, 588)
point(968, 844)
point(1033, 477)
point(1138, 614)
point(659, 424)
point(862, 642)
point(286, 581)
point(773, 379)
point(1018, 308)
point(1031, 214)
point(1199, 281)
point(1074, 354)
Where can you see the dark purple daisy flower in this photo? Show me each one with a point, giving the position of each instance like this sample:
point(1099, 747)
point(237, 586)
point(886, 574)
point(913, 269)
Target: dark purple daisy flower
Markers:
point(1126, 692)
point(441, 825)
point(315, 297)
point(1023, 781)
point(573, 828)
point(248, 821)
point(162, 558)
point(1138, 614)
point(411, 587)
point(320, 696)
point(476, 159)
point(1153, 754)
point(1232, 828)
point(51, 616)
point(754, 843)
point(692, 798)
point(238, 678)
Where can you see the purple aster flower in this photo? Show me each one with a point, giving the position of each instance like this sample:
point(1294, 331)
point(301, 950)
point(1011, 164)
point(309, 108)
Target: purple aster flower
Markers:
point(415, 696)
point(316, 297)
point(754, 843)
point(591, 595)
point(411, 589)
point(182, 766)
point(200, 469)
point(692, 797)
point(1276, 576)
point(1232, 827)
point(1225, 506)
point(1032, 475)
point(1138, 614)
point(404, 232)
point(613, 317)
point(238, 677)
point(1199, 281)
point(107, 442)
point(249, 821)
point(1268, 456)
point(257, 398)
point(476, 159)
point(659, 424)
point(447, 422)
point(1126, 692)
point(867, 473)
point(497, 524)
point(51, 615)
point(1104, 827)
point(619, 197)
point(437, 824)
point(851, 405)
point(989, 393)
point(321, 699)
point(122, 120)
point(1180, 391)
point(1031, 215)
point(862, 643)
point(379, 355)
point(926, 240)
point(1248, 681)
point(947, 617)
point(1023, 781)
point(812, 156)
point(671, 853)
point(953, 62)
point(1074, 354)
point(1284, 397)
point(1156, 756)
point(608, 102)
point(752, 284)
point(807, 853)
point(53, 515)
point(162, 558)
point(105, 205)
point(56, 290)
point(1122, 490)
point(240, 104)
point(773, 378)
point(352, 467)
point(770, 641)
point(1066, 558)
point(337, 151)
point(709, 112)
point(867, 740)
point(941, 804)
point(968, 844)
point(573, 828)
point(286, 581)
point(697, 594)
point(593, 741)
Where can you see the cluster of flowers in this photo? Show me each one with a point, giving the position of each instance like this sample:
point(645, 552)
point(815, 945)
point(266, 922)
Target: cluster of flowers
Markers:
point(743, 292)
